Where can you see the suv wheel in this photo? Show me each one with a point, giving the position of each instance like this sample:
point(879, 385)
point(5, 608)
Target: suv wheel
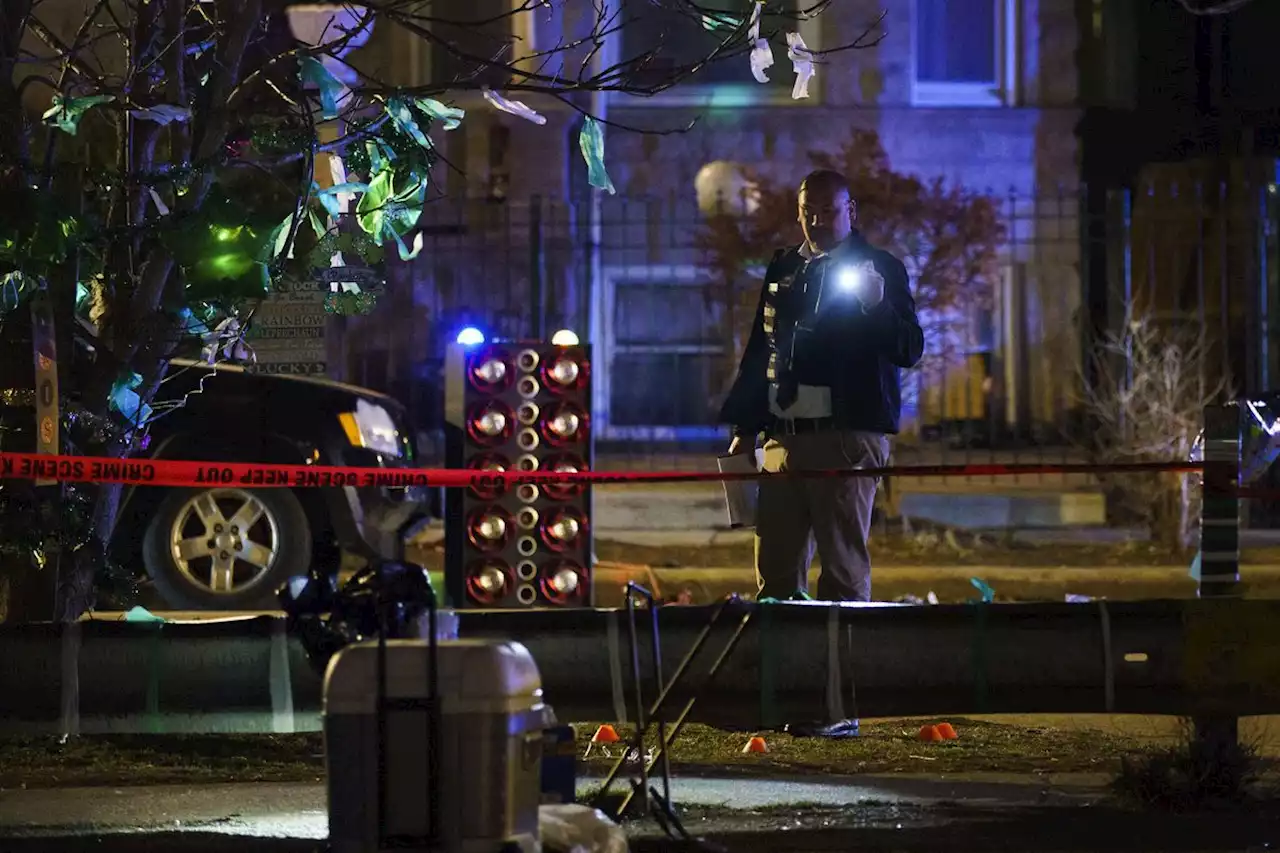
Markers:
point(226, 548)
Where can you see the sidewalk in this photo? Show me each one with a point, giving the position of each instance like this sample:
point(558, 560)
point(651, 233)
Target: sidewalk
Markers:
point(695, 511)
point(300, 811)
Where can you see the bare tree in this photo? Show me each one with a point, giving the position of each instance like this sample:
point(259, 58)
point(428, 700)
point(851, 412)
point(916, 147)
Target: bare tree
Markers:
point(1146, 404)
point(137, 134)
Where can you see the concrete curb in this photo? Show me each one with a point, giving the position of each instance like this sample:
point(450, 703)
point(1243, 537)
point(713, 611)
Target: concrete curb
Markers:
point(666, 537)
point(949, 583)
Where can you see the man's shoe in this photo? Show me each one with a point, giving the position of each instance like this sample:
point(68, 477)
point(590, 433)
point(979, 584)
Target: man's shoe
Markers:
point(834, 731)
point(799, 595)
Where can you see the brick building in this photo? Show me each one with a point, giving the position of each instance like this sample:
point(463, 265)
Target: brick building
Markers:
point(980, 92)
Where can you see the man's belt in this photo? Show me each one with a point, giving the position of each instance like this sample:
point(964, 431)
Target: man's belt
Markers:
point(801, 426)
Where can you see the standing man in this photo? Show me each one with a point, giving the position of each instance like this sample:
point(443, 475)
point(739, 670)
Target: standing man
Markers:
point(819, 383)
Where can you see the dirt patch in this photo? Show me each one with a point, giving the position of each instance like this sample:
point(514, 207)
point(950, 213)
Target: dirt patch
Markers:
point(898, 550)
point(160, 760)
point(891, 746)
point(885, 747)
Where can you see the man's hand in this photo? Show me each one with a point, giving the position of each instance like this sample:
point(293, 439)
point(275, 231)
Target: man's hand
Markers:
point(739, 446)
point(871, 291)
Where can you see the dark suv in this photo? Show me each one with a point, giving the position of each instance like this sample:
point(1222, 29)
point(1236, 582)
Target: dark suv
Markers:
point(229, 548)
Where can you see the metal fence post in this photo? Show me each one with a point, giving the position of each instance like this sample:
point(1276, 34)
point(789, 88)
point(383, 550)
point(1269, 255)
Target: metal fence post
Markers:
point(1220, 539)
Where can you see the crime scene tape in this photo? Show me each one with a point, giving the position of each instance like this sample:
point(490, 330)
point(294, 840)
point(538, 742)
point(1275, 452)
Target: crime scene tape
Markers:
point(180, 473)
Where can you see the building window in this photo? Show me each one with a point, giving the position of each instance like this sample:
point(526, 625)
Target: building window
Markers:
point(679, 41)
point(479, 33)
point(962, 51)
point(665, 361)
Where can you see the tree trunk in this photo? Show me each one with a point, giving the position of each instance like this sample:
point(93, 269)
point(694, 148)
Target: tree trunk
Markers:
point(1167, 512)
point(26, 593)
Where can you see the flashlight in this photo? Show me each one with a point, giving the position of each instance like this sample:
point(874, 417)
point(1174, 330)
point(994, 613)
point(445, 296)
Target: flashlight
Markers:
point(849, 279)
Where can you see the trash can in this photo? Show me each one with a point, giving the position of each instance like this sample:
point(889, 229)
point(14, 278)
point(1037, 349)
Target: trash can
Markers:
point(492, 720)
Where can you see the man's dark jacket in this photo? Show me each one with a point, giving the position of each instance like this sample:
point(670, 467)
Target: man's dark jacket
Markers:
point(866, 348)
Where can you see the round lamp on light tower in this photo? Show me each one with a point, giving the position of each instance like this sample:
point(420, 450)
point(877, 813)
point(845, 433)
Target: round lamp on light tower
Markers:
point(723, 188)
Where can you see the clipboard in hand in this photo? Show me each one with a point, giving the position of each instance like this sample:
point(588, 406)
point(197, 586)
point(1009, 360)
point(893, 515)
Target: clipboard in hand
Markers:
point(740, 496)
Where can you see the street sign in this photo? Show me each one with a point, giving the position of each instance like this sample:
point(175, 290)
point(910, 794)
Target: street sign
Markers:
point(287, 333)
point(292, 368)
point(366, 278)
point(289, 327)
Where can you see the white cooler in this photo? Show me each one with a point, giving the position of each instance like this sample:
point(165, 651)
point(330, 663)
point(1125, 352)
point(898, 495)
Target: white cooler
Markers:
point(491, 723)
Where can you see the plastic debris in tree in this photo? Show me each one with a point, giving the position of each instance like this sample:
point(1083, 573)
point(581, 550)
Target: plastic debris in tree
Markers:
point(515, 108)
point(399, 113)
point(802, 61)
point(224, 249)
point(712, 21)
point(66, 113)
point(228, 338)
point(84, 298)
point(161, 207)
point(15, 287)
point(449, 117)
point(125, 401)
point(761, 52)
point(591, 141)
point(390, 207)
point(162, 114)
point(330, 88)
point(192, 325)
point(331, 198)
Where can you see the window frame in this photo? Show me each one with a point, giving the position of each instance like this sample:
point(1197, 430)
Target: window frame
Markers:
point(1001, 92)
point(733, 95)
point(607, 347)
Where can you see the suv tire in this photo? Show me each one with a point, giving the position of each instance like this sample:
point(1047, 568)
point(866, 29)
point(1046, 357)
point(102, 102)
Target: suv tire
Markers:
point(226, 548)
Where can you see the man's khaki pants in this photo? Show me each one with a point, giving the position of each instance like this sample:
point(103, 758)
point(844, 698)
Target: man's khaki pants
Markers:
point(833, 513)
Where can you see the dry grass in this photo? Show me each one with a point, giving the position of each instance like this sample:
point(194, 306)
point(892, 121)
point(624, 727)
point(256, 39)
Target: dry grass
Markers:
point(885, 747)
point(894, 551)
point(892, 747)
point(1192, 775)
point(96, 760)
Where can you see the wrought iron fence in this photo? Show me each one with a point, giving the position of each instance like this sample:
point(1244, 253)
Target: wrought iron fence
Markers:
point(1074, 265)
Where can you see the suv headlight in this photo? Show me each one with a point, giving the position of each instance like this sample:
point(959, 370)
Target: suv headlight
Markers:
point(370, 426)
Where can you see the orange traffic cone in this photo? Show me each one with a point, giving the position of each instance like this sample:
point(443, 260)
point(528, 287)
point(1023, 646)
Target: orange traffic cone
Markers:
point(947, 731)
point(605, 734)
point(757, 745)
point(930, 733)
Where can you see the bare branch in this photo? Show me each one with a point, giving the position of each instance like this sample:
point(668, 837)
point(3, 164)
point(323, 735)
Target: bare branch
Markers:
point(1222, 7)
point(1145, 402)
